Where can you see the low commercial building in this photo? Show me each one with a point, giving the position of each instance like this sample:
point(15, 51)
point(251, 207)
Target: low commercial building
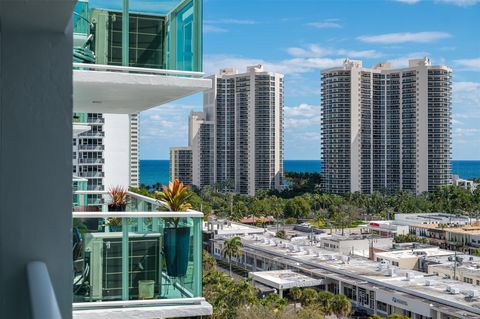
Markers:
point(282, 280)
point(464, 183)
point(430, 218)
point(386, 228)
point(465, 268)
point(214, 228)
point(371, 286)
point(356, 244)
point(411, 258)
point(459, 237)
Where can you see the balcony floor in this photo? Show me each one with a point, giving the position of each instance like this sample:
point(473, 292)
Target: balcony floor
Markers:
point(127, 93)
point(147, 312)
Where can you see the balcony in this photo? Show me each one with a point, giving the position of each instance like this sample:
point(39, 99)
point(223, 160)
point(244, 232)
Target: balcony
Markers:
point(125, 90)
point(91, 147)
point(115, 79)
point(93, 134)
point(92, 174)
point(123, 263)
point(91, 161)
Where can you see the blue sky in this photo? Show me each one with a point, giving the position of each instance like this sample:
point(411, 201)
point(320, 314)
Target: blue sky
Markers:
point(299, 38)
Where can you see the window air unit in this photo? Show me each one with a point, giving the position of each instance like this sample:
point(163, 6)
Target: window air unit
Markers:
point(103, 252)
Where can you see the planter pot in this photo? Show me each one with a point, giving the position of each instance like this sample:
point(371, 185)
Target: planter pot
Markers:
point(117, 208)
point(115, 228)
point(177, 249)
point(146, 289)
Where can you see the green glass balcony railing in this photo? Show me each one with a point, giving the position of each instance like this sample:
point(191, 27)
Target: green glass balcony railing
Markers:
point(138, 254)
point(168, 36)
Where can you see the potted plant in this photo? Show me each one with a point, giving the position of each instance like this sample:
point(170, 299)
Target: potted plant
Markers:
point(176, 236)
point(114, 224)
point(118, 199)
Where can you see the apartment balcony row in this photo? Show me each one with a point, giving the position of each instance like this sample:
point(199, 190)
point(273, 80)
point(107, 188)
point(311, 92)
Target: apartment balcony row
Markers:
point(142, 262)
point(91, 161)
point(91, 174)
point(92, 134)
point(91, 147)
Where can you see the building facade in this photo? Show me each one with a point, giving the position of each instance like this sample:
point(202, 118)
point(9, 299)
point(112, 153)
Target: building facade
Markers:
point(237, 141)
point(386, 129)
point(181, 164)
point(201, 140)
point(248, 111)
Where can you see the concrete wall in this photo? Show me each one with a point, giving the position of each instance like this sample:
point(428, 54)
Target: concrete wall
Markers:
point(35, 150)
point(117, 150)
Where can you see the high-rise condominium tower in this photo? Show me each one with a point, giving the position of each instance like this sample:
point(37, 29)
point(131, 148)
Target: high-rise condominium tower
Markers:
point(386, 129)
point(237, 141)
point(181, 164)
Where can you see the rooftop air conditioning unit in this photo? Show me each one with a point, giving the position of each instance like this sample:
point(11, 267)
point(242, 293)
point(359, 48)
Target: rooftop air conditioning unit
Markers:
point(473, 294)
point(102, 252)
point(454, 290)
point(428, 282)
point(410, 275)
point(391, 272)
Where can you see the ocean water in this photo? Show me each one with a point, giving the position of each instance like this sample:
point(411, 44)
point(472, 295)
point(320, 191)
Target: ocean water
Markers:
point(157, 171)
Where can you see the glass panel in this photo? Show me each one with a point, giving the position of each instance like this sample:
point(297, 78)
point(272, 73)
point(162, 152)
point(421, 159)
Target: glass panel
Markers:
point(184, 52)
point(80, 18)
point(152, 258)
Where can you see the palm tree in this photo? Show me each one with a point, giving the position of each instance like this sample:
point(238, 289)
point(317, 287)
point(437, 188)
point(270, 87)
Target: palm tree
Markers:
point(309, 296)
point(232, 247)
point(324, 299)
point(341, 306)
point(296, 294)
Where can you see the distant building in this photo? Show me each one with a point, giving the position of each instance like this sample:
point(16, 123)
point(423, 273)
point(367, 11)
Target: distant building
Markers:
point(201, 140)
point(386, 129)
point(464, 183)
point(452, 237)
point(181, 164)
point(430, 218)
point(237, 141)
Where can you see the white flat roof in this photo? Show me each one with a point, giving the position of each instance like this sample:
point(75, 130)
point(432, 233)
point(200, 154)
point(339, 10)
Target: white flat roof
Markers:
point(284, 279)
point(127, 90)
point(327, 263)
point(409, 253)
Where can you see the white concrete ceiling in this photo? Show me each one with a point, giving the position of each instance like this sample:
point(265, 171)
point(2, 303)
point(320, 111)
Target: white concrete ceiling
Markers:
point(127, 93)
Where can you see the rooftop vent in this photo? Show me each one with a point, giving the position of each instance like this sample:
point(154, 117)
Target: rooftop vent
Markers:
point(453, 290)
point(473, 294)
point(410, 275)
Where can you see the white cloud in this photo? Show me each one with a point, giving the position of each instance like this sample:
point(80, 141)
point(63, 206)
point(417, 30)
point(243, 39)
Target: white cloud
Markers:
point(469, 64)
point(465, 132)
point(315, 51)
point(402, 61)
point(159, 123)
point(467, 96)
point(459, 3)
point(403, 37)
point(231, 21)
point(213, 62)
point(326, 24)
point(207, 28)
point(302, 116)
point(303, 110)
